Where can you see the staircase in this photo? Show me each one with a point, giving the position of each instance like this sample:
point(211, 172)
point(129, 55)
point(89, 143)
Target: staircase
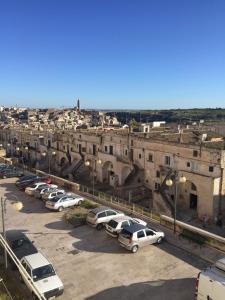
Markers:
point(164, 192)
point(134, 177)
point(71, 168)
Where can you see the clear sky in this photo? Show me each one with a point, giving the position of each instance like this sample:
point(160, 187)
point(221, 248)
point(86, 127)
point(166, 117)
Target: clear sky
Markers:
point(142, 54)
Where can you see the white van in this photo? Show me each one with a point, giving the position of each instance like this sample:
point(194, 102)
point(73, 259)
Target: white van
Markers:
point(43, 274)
point(210, 283)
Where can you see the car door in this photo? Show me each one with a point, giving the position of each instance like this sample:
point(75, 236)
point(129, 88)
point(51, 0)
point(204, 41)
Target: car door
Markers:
point(110, 214)
point(65, 201)
point(142, 240)
point(102, 217)
point(71, 201)
point(151, 236)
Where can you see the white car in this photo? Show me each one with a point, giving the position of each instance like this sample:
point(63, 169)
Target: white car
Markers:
point(136, 236)
point(44, 189)
point(60, 202)
point(52, 194)
point(115, 226)
point(43, 275)
point(99, 216)
point(31, 189)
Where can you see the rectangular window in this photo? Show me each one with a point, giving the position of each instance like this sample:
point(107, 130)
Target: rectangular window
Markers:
point(158, 174)
point(157, 186)
point(167, 160)
point(132, 143)
point(150, 157)
point(188, 164)
point(211, 169)
point(111, 150)
point(126, 152)
point(106, 149)
point(195, 153)
point(139, 156)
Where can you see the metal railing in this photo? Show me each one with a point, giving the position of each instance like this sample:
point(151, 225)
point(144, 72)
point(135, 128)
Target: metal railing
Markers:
point(21, 269)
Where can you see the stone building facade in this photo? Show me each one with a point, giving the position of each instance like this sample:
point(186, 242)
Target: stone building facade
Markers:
point(133, 160)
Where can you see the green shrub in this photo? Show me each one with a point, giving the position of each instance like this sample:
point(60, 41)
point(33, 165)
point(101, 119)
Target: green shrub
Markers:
point(88, 204)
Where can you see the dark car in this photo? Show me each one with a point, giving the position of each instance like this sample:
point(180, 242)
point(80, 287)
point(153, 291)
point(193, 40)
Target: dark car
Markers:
point(26, 178)
point(20, 244)
point(23, 184)
point(8, 173)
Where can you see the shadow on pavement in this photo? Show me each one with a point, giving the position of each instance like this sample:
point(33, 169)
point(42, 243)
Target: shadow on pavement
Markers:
point(176, 289)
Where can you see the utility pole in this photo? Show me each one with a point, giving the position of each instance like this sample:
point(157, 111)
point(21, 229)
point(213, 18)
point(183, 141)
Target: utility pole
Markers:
point(3, 229)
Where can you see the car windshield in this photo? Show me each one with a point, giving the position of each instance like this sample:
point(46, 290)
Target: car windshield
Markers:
point(19, 243)
point(113, 223)
point(43, 272)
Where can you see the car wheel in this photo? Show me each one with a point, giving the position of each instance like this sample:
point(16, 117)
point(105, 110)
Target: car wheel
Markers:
point(99, 226)
point(60, 208)
point(159, 241)
point(134, 249)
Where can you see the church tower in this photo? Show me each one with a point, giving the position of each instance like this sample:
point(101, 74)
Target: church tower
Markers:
point(78, 105)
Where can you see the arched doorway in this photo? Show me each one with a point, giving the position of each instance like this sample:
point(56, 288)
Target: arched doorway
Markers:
point(107, 171)
point(62, 161)
point(189, 195)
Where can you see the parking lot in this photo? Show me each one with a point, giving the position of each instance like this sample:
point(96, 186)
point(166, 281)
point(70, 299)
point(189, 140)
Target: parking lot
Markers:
point(92, 265)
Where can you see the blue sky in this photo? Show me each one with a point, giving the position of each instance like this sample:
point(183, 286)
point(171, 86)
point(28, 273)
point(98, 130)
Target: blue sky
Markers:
point(143, 54)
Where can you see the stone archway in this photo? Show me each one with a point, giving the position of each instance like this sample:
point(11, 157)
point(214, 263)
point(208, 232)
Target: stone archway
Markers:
point(63, 161)
point(189, 192)
point(107, 171)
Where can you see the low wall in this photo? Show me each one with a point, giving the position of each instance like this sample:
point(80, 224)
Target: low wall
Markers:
point(211, 239)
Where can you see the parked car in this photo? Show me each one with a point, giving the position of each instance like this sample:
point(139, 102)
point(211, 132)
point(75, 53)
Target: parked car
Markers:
point(115, 226)
point(6, 169)
point(48, 195)
point(20, 244)
point(136, 236)
point(60, 202)
point(26, 177)
point(210, 282)
point(31, 189)
point(23, 184)
point(43, 274)
point(41, 189)
point(99, 216)
point(9, 173)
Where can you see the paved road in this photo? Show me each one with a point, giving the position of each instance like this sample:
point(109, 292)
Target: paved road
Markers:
point(93, 266)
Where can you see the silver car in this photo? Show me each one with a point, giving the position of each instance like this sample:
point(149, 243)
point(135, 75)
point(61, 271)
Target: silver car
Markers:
point(136, 236)
point(48, 195)
point(99, 216)
point(115, 226)
point(61, 202)
point(43, 189)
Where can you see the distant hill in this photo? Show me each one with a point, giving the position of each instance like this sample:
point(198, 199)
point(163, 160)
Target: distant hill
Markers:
point(170, 115)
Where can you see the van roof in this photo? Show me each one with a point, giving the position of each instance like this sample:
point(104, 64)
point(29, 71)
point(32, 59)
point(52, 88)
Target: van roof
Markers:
point(36, 260)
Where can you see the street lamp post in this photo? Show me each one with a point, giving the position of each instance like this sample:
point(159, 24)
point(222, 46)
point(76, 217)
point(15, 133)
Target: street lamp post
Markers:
point(175, 182)
point(93, 163)
point(9, 147)
point(50, 155)
point(17, 205)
